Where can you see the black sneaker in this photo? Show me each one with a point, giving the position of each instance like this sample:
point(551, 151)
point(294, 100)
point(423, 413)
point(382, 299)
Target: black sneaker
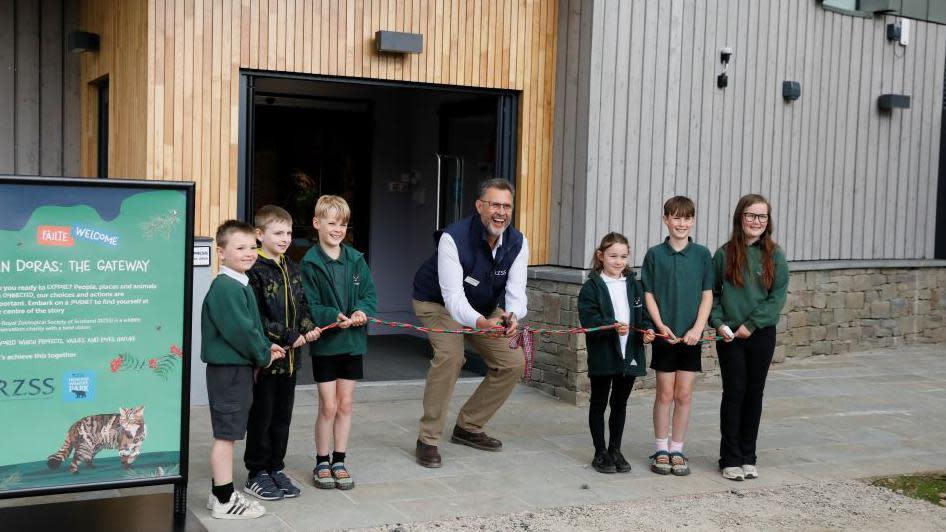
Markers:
point(262, 487)
point(284, 483)
point(620, 464)
point(603, 463)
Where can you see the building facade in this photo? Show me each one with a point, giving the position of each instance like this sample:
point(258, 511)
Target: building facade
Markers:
point(598, 110)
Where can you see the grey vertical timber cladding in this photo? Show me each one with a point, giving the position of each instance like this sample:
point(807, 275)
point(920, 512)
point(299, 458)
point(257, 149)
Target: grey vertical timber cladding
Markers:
point(39, 88)
point(71, 114)
point(558, 194)
point(570, 157)
point(27, 87)
point(642, 119)
point(50, 84)
point(7, 87)
point(936, 82)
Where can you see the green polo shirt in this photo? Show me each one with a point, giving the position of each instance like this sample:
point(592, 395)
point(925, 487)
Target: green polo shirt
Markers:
point(677, 280)
point(340, 280)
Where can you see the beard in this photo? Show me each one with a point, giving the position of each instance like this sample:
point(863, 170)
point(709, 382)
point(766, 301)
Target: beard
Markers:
point(493, 231)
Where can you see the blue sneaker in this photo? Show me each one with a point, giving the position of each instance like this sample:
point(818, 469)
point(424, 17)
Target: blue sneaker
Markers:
point(263, 487)
point(283, 482)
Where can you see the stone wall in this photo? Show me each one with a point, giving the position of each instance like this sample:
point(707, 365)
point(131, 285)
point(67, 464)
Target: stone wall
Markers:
point(827, 312)
point(838, 311)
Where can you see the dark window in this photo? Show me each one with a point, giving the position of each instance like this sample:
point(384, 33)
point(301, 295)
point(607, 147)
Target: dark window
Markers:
point(101, 139)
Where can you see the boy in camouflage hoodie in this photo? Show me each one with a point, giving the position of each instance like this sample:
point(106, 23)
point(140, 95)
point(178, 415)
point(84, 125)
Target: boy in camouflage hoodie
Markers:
point(277, 283)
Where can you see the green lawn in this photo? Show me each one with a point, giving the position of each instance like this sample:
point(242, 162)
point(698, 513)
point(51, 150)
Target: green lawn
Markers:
point(929, 486)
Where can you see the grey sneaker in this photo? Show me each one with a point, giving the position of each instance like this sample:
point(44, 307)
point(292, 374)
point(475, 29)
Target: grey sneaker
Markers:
point(263, 487)
point(734, 473)
point(284, 483)
point(750, 471)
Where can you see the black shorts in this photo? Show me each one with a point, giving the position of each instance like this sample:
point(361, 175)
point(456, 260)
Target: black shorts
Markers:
point(230, 391)
point(332, 367)
point(676, 357)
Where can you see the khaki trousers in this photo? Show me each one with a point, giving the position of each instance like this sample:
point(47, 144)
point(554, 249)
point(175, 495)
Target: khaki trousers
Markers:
point(504, 367)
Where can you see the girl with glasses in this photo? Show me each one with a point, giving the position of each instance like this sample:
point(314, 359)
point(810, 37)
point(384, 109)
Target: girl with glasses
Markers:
point(749, 292)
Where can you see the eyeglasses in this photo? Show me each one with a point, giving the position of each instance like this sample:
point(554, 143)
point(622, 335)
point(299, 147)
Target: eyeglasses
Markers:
point(753, 217)
point(494, 206)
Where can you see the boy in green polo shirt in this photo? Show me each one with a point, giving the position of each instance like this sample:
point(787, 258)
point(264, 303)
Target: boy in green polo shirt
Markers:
point(339, 289)
point(232, 343)
point(677, 275)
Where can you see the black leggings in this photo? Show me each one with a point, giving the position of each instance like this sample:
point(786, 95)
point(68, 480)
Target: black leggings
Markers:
point(619, 388)
point(744, 365)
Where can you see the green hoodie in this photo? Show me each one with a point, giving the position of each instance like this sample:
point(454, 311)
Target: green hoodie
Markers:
point(751, 304)
point(604, 347)
point(325, 301)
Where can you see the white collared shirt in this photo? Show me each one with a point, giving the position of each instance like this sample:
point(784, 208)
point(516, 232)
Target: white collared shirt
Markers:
point(617, 289)
point(229, 272)
point(450, 273)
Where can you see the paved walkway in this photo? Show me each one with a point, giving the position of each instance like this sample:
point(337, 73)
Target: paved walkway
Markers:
point(825, 418)
point(836, 417)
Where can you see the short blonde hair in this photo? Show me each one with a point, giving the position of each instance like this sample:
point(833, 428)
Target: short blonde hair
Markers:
point(268, 214)
point(327, 204)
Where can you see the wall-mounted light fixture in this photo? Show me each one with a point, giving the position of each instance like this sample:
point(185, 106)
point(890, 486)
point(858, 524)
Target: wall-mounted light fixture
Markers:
point(397, 42)
point(893, 32)
point(82, 41)
point(889, 102)
point(791, 90)
point(722, 80)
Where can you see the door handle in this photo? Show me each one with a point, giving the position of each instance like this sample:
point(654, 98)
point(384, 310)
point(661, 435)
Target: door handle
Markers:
point(437, 219)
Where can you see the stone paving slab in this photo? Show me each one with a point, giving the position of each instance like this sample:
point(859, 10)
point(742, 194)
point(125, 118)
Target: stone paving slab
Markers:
point(833, 417)
point(825, 418)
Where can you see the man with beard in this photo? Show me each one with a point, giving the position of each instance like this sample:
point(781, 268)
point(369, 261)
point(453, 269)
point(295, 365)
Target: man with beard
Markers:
point(477, 278)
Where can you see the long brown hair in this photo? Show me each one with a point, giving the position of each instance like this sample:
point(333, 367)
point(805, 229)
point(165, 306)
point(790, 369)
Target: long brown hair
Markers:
point(609, 240)
point(736, 254)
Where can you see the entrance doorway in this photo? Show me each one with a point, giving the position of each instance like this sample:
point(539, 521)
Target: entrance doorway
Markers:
point(408, 158)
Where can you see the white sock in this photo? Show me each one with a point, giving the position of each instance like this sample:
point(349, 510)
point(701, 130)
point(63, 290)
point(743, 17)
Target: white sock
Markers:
point(662, 443)
point(676, 446)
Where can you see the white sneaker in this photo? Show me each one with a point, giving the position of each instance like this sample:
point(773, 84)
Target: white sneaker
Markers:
point(750, 471)
point(734, 473)
point(237, 508)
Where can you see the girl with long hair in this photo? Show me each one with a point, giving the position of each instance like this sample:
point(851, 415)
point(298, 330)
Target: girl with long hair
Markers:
point(751, 283)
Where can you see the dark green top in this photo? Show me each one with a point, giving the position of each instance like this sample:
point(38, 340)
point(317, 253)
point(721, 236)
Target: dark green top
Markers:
point(604, 347)
point(677, 280)
point(332, 286)
point(337, 271)
point(231, 332)
point(752, 304)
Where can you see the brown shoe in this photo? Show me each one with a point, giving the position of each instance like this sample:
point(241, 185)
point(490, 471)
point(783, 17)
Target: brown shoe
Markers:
point(476, 440)
point(427, 455)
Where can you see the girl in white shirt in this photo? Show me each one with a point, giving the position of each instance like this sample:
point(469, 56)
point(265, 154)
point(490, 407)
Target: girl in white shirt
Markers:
point(612, 295)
